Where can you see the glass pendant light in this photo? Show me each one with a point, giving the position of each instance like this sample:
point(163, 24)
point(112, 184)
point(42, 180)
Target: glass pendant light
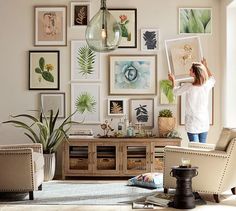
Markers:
point(103, 32)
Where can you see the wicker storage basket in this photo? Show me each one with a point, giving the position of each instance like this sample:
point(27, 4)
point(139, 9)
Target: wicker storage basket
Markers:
point(79, 163)
point(136, 164)
point(165, 125)
point(106, 163)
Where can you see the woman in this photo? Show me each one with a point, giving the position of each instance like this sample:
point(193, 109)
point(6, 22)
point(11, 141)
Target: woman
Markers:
point(196, 112)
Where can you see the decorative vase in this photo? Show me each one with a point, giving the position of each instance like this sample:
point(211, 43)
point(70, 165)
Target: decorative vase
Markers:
point(49, 166)
point(165, 125)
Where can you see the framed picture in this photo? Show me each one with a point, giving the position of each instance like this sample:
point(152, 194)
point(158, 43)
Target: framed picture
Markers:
point(44, 70)
point(133, 74)
point(116, 107)
point(167, 96)
point(181, 53)
point(142, 111)
point(195, 21)
point(127, 18)
point(210, 108)
point(53, 101)
point(50, 25)
point(79, 14)
point(85, 99)
point(85, 63)
point(150, 39)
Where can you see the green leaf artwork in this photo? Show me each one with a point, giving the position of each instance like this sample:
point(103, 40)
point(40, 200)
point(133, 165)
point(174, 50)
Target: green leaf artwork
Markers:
point(124, 28)
point(85, 102)
point(46, 75)
point(195, 21)
point(86, 60)
point(166, 88)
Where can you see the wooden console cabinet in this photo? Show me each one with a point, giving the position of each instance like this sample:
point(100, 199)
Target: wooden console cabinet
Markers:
point(114, 156)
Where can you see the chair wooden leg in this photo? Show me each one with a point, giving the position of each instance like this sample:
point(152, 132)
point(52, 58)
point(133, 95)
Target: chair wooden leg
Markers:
point(165, 190)
point(216, 198)
point(31, 195)
point(233, 190)
point(40, 187)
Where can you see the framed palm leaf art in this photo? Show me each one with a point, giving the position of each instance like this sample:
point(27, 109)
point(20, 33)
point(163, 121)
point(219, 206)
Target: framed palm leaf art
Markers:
point(116, 107)
point(85, 63)
point(142, 112)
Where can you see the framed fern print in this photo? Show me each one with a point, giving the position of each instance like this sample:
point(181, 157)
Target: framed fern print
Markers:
point(166, 93)
point(142, 112)
point(85, 63)
point(85, 98)
point(150, 39)
point(116, 107)
point(79, 14)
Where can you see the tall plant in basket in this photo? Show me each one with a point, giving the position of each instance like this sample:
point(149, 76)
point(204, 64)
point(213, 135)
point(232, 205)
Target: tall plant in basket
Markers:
point(166, 122)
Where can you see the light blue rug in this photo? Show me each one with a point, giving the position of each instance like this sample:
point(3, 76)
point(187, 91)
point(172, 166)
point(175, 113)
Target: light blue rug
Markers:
point(98, 193)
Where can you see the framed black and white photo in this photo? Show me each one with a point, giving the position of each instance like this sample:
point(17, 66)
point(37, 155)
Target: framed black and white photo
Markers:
point(150, 39)
point(116, 107)
point(142, 111)
point(53, 101)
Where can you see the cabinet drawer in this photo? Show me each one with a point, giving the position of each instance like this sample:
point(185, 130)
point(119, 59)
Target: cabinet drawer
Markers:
point(136, 164)
point(106, 163)
point(79, 163)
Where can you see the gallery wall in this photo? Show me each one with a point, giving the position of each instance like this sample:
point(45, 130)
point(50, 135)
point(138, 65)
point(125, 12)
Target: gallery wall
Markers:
point(17, 38)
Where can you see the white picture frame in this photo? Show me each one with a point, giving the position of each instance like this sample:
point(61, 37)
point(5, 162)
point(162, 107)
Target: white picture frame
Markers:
point(116, 106)
point(204, 21)
point(53, 101)
point(92, 113)
point(210, 108)
point(181, 53)
point(84, 70)
point(150, 39)
point(79, 14)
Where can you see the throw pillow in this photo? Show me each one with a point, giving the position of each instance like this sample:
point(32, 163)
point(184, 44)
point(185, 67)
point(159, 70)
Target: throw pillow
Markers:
point(147, 180)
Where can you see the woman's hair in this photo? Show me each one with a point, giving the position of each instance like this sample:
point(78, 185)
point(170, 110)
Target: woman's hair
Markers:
point(200, 73)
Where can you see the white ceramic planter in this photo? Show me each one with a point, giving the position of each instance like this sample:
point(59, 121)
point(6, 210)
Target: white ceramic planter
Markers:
point(49, 166)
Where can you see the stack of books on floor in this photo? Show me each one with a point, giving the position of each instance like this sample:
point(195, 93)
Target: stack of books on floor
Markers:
point(81, 133)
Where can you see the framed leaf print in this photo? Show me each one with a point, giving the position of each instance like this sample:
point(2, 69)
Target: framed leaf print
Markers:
point(85, 98)
point(127, 18)
point(142, 111)
point(80, 14)
point(150, 39)
point(116, 107)
point(44, 69)
point(166, 93)
point(85, 63)
point(50, 25)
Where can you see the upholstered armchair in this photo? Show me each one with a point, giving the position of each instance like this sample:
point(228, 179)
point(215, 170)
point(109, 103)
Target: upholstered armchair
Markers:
point(21, 168)
point(216, 166)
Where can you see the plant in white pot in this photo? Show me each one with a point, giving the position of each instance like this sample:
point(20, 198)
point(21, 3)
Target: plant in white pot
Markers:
point(44, 130)
point(166, 122)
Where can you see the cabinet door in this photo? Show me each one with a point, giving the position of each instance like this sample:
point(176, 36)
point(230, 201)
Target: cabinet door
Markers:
point(136, 158)
point(77, 158)
point(106, 159)
point(157, 158)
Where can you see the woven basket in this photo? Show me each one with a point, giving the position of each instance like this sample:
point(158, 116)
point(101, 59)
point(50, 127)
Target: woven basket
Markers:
point(165, 125)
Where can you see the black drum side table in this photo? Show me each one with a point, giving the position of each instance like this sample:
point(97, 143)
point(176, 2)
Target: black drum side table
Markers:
point(184, 198)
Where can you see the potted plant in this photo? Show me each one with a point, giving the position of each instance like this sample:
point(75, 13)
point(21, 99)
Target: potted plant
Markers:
point(166, 122)
point(43, 130)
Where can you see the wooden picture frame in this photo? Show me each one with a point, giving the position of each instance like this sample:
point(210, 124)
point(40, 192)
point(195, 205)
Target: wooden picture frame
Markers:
point(195, 21)
point(44, 70)
point(116, 106)
point(79, 14)
point(86, 99)
point(210, 108)
point(142, 111)
point(150, 39)
point(85, 63)
point(127, 18)
point(50, 25)
point(133, 74)
point(53, 101)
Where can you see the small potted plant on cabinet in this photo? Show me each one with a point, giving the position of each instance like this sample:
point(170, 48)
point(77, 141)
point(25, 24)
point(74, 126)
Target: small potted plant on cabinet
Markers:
point(166, 122)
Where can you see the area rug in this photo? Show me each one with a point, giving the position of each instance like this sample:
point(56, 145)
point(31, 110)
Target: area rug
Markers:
point(72, 192)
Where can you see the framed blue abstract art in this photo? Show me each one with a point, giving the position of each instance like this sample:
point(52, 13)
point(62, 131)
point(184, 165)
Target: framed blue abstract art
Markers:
point(133, 74)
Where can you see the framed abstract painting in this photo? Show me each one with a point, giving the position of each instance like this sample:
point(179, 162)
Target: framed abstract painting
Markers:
point(133, 74)
point(150, 39)
point(50, 25)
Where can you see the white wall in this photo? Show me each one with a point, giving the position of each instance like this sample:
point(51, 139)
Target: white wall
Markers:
point(16, 39)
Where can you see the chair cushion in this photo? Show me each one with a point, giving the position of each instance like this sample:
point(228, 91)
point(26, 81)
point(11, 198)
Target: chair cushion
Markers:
point(226, 136)
point(148, 180)
point(38, 160)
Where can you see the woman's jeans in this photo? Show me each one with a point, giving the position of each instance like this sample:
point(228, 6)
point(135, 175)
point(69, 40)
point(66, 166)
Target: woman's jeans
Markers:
point(197, 137)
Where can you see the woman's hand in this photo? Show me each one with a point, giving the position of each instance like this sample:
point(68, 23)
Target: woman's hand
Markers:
point(204, 62)
point(172, 78)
